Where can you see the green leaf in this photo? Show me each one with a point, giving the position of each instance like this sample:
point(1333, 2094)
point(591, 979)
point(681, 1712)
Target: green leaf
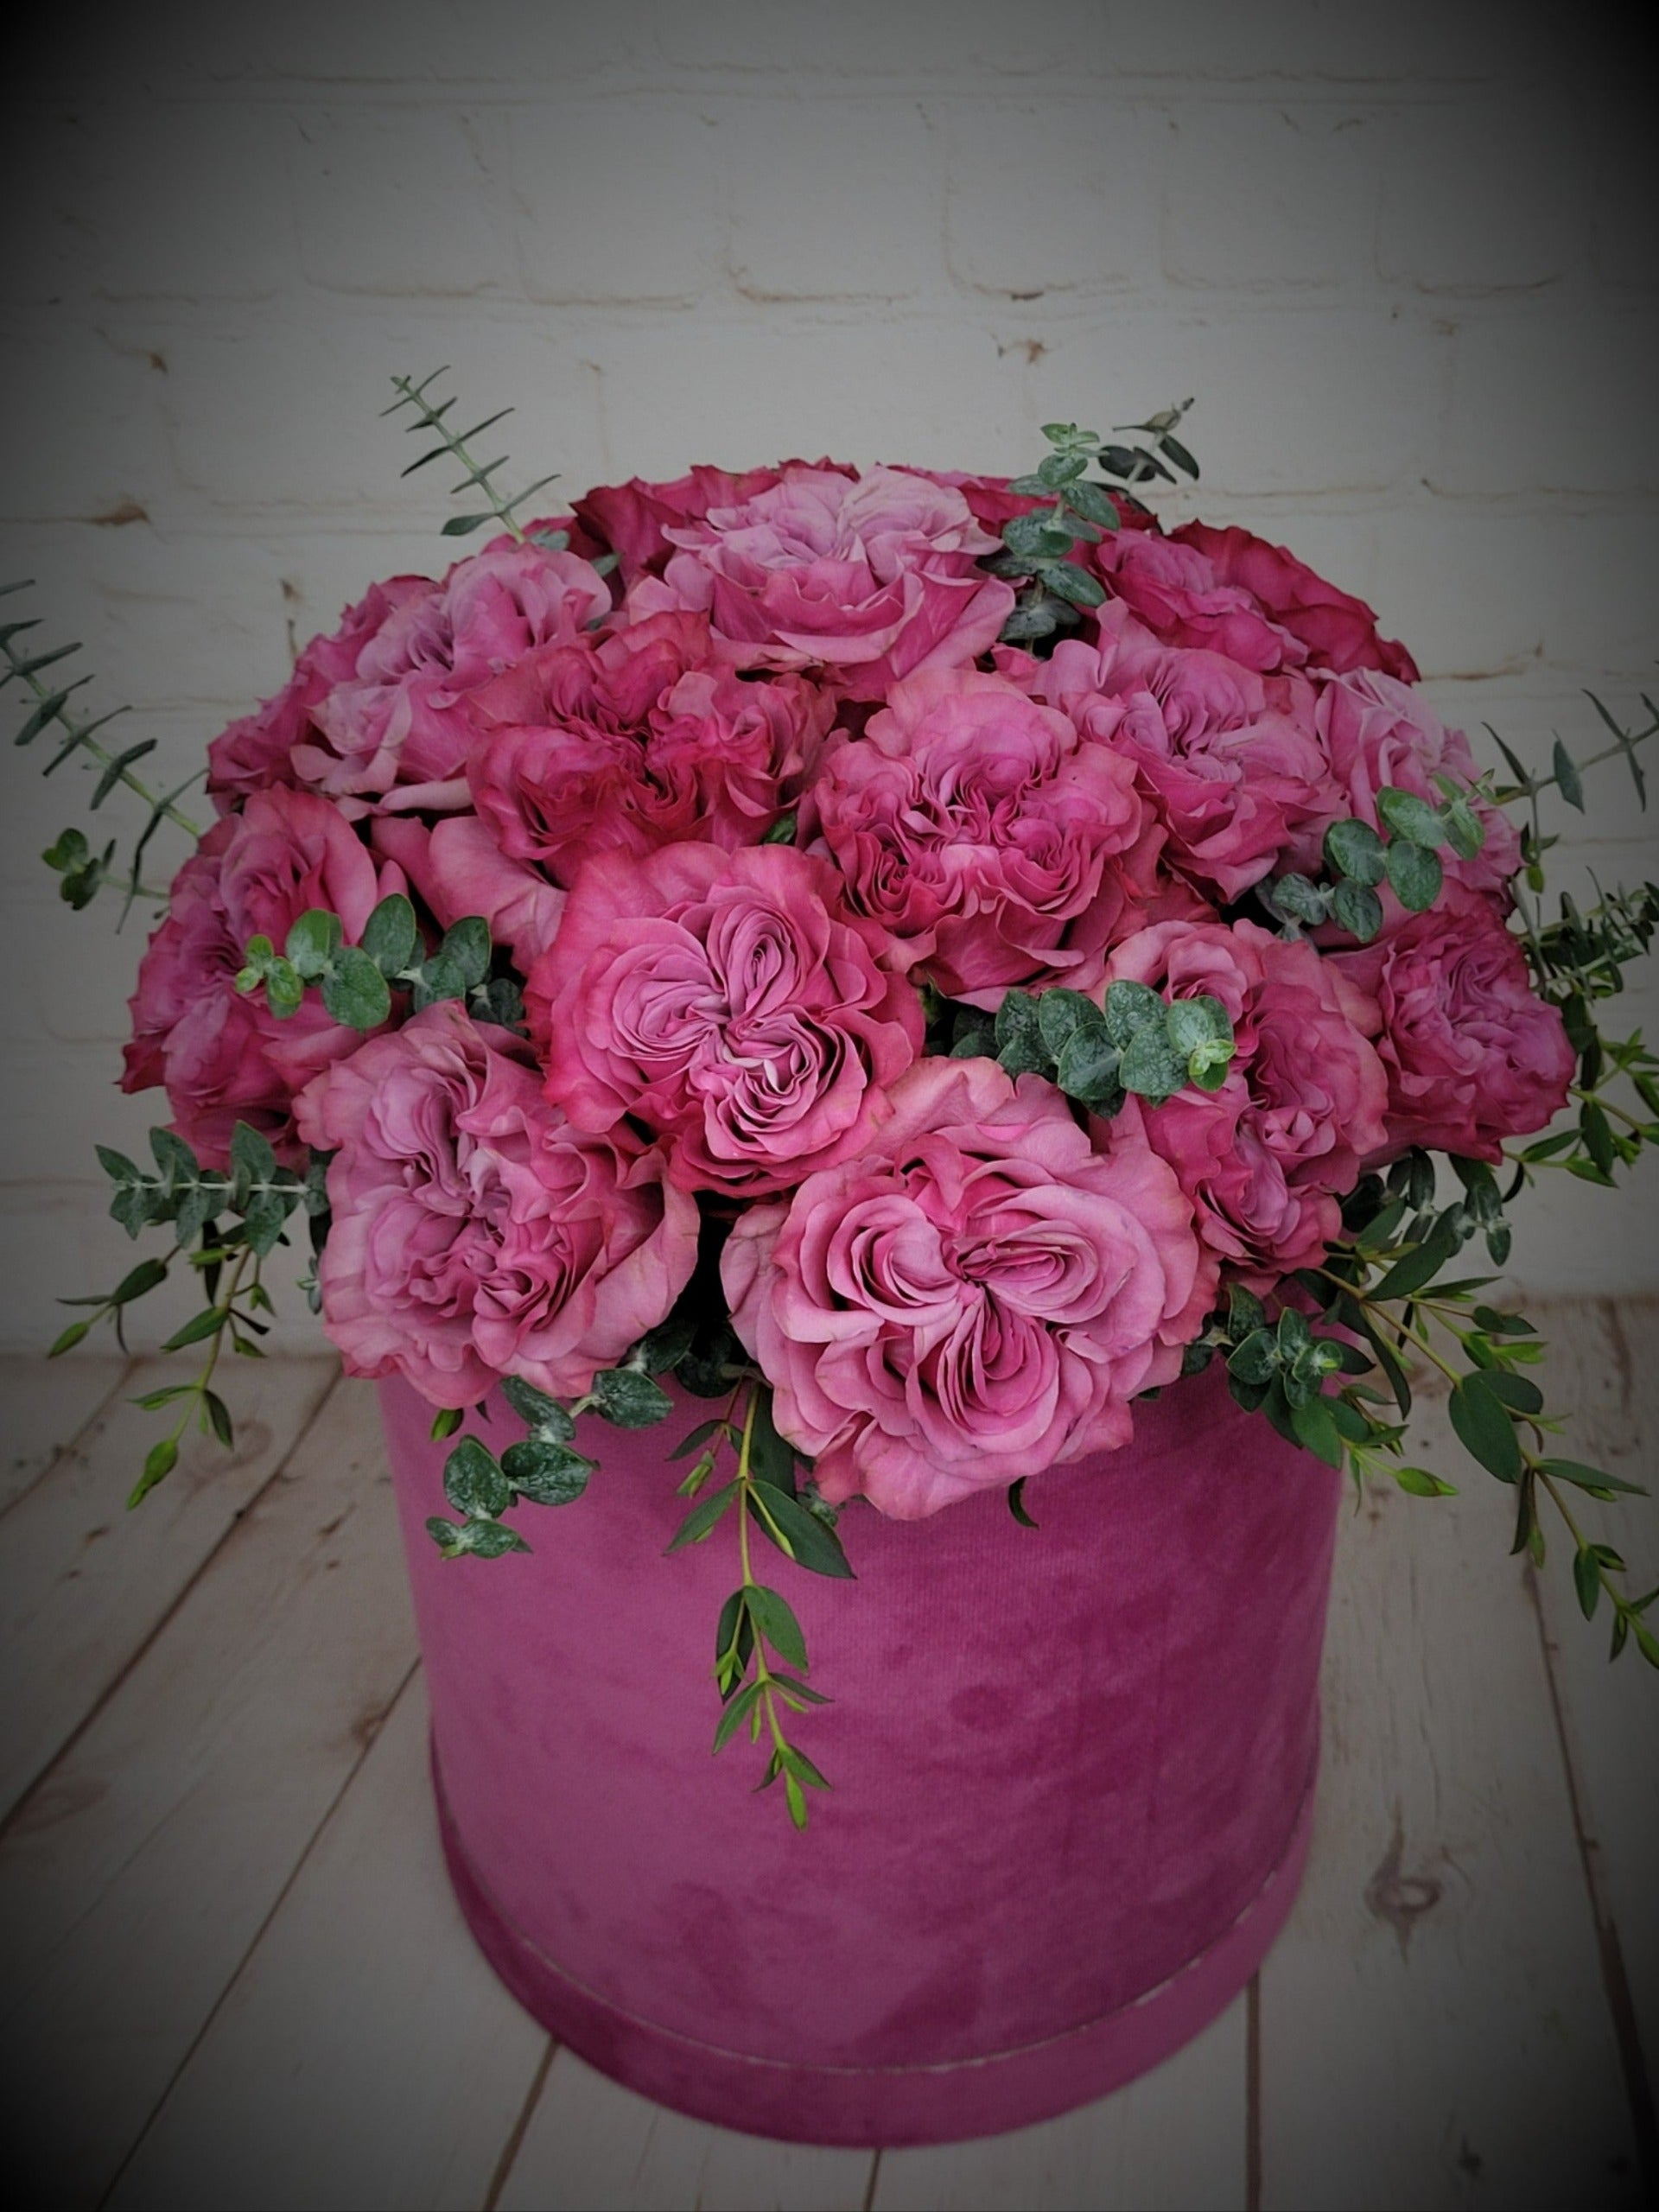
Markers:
point(1132, 1010)
point(446, 1422)
point(252, 1161)
point(1465, 832)
point(1421, 1483)
point(144, 1277)
point(463, 525)
point(466, 943)
point(771, 1459)
point(473, 1482)
point(1090, 501)
point(1059, 1013)
point(116, 1165)
point(795, 1798)
point(1354, 849)
point(1420, 1266)
point(1415, 873)
point(1598, 1135)
point(355, 992)
point(1057, 469)
point(1316, 1427)
point(1575, 1470)
point(703, 1516)
point(1255, 1360)
point(485, 1539)
point(1484, 1429)
point(1018, 1036)
point(1292, 895)
point(544, 1472)
point(1568, 778)
point(1088, 1069)
point(1518, 1392)
point(737, 1712)
point(1411, 817)
point(776, 1621)
point(175, 1158)
point(70, 1338)
point(313, 942)
point(389, 935)
point(537, 1410)
point(207, 1323)
point(1017, 1503)
point(1587, 1573)
point(1393, 1373)
point(159, 1462)
point(284, 988)
point(219, 1414)
point(1178, 453)
point(117, 768)
point(1503, 1325)
point(1150, 1065)
point(1245, 1314)
point(1072, 584)
point(630, 1399)
point(699, 1436)
point(661, 1350)
point(804, 1537)
point(1357, 909)
point(1193, 1025)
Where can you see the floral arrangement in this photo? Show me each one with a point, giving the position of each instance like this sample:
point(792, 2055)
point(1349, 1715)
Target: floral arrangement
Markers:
point(925, 960)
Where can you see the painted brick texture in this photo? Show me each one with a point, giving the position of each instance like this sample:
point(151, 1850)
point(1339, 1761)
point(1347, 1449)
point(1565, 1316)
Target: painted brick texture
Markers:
point(1403, 257)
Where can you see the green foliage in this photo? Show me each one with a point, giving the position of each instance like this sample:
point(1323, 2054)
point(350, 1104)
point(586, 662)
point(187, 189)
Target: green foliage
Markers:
point(1038, 547)
point(1358, 860)
point(85, 873)
point(477, 478)
point(1134, 1041)
point(356, 981)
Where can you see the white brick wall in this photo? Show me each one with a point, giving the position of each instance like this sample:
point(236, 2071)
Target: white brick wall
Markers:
point(1403, 256)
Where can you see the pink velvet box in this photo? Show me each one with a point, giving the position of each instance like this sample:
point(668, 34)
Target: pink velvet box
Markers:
point(1072, 1772)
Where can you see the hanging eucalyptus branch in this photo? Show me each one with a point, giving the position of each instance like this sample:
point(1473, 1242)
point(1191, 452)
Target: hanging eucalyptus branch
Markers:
point(475, 476)
point(85, 873)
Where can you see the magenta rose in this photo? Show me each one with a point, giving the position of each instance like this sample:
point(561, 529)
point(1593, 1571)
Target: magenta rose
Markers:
point(730, 1002)
point(1174, 590)
point(1336, 630)
point(872, 579)
point(997, 843)
point(395, 734)
point(223, 1057)
point(1266, 1158)
point(457, 868)
point(1375, 733)
point(632, 518)
point(475, 1233)
point(976, 1294)
point(1226, 756)
point(634, 739)
point(1472, 1055)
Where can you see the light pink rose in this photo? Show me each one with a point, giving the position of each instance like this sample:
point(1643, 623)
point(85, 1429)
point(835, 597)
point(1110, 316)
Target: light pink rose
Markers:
point(872, 579)
point(1337, 630)
point(998, 844)
point(975, 1295)
point(395, 733)
point(456, 867)
point(474, 1233)
point(1226, 756)
point(631, 518)
point(1375, 732)
point(729, 1002)
point(1472, 1055)
point(223, 1057)
point(1266, 1158)
point(634, 739)
point(257, 751)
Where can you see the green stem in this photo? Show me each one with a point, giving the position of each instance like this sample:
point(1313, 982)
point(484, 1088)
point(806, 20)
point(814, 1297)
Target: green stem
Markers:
point(477, 477)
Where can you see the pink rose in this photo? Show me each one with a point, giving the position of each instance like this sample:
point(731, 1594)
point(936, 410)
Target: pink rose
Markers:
point(258, 751)
point(729, 1002)
point(635, 740)
point(872, 579)
point(632, 518)
point(395, 733)
point(976, 1294)
point(1266, 1158)
point(1337, 631)
point(1376, 733)
point(1472, 1055)
point(223, 1057)
point(1174, 591)
point(456, 867)
point(1227, 756)
point(998, 845)
point(475, 1233)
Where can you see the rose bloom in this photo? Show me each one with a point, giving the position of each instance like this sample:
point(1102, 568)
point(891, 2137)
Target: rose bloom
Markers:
point(1472, 1055)
point(976, 1294)
point(1266, 1158)
point(1335, 630)
point(222, 1058)
point(634, 517)
point(994, 840)
point(1375, 733)
point(456, 867)
point(1227, 756)
point(872, 579)
point(394, 732)
point(730, 1002)
point(475, 1233)
point(634, 739)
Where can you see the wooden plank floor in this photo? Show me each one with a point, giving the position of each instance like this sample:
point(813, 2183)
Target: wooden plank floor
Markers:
point(232, 1974)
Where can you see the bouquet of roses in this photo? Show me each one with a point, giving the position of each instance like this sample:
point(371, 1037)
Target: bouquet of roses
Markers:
point(925, 960)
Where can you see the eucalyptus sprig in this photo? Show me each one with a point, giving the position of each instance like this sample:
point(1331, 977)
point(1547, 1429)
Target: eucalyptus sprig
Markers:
point(355, 982)
point(1136, 1041)
point(475, 476)
point(1358, 859)
point(228, 1254)
point(760, 1657)
point(1038, 546)
point(84, 872)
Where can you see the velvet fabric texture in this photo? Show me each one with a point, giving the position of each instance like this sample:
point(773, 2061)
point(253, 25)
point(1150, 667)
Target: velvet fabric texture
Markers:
point(1071, 1769)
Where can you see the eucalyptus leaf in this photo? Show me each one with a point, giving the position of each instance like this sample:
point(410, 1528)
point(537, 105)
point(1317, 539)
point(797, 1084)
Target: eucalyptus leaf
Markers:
point(390, 935)
point(545, 1472)
point(1353, 848)
point(1411, 817)
point(630, 1399)
point(312, 942)
point(1357, 909)
point(355, 992)
point(1414, 874)
point(473, 1482)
